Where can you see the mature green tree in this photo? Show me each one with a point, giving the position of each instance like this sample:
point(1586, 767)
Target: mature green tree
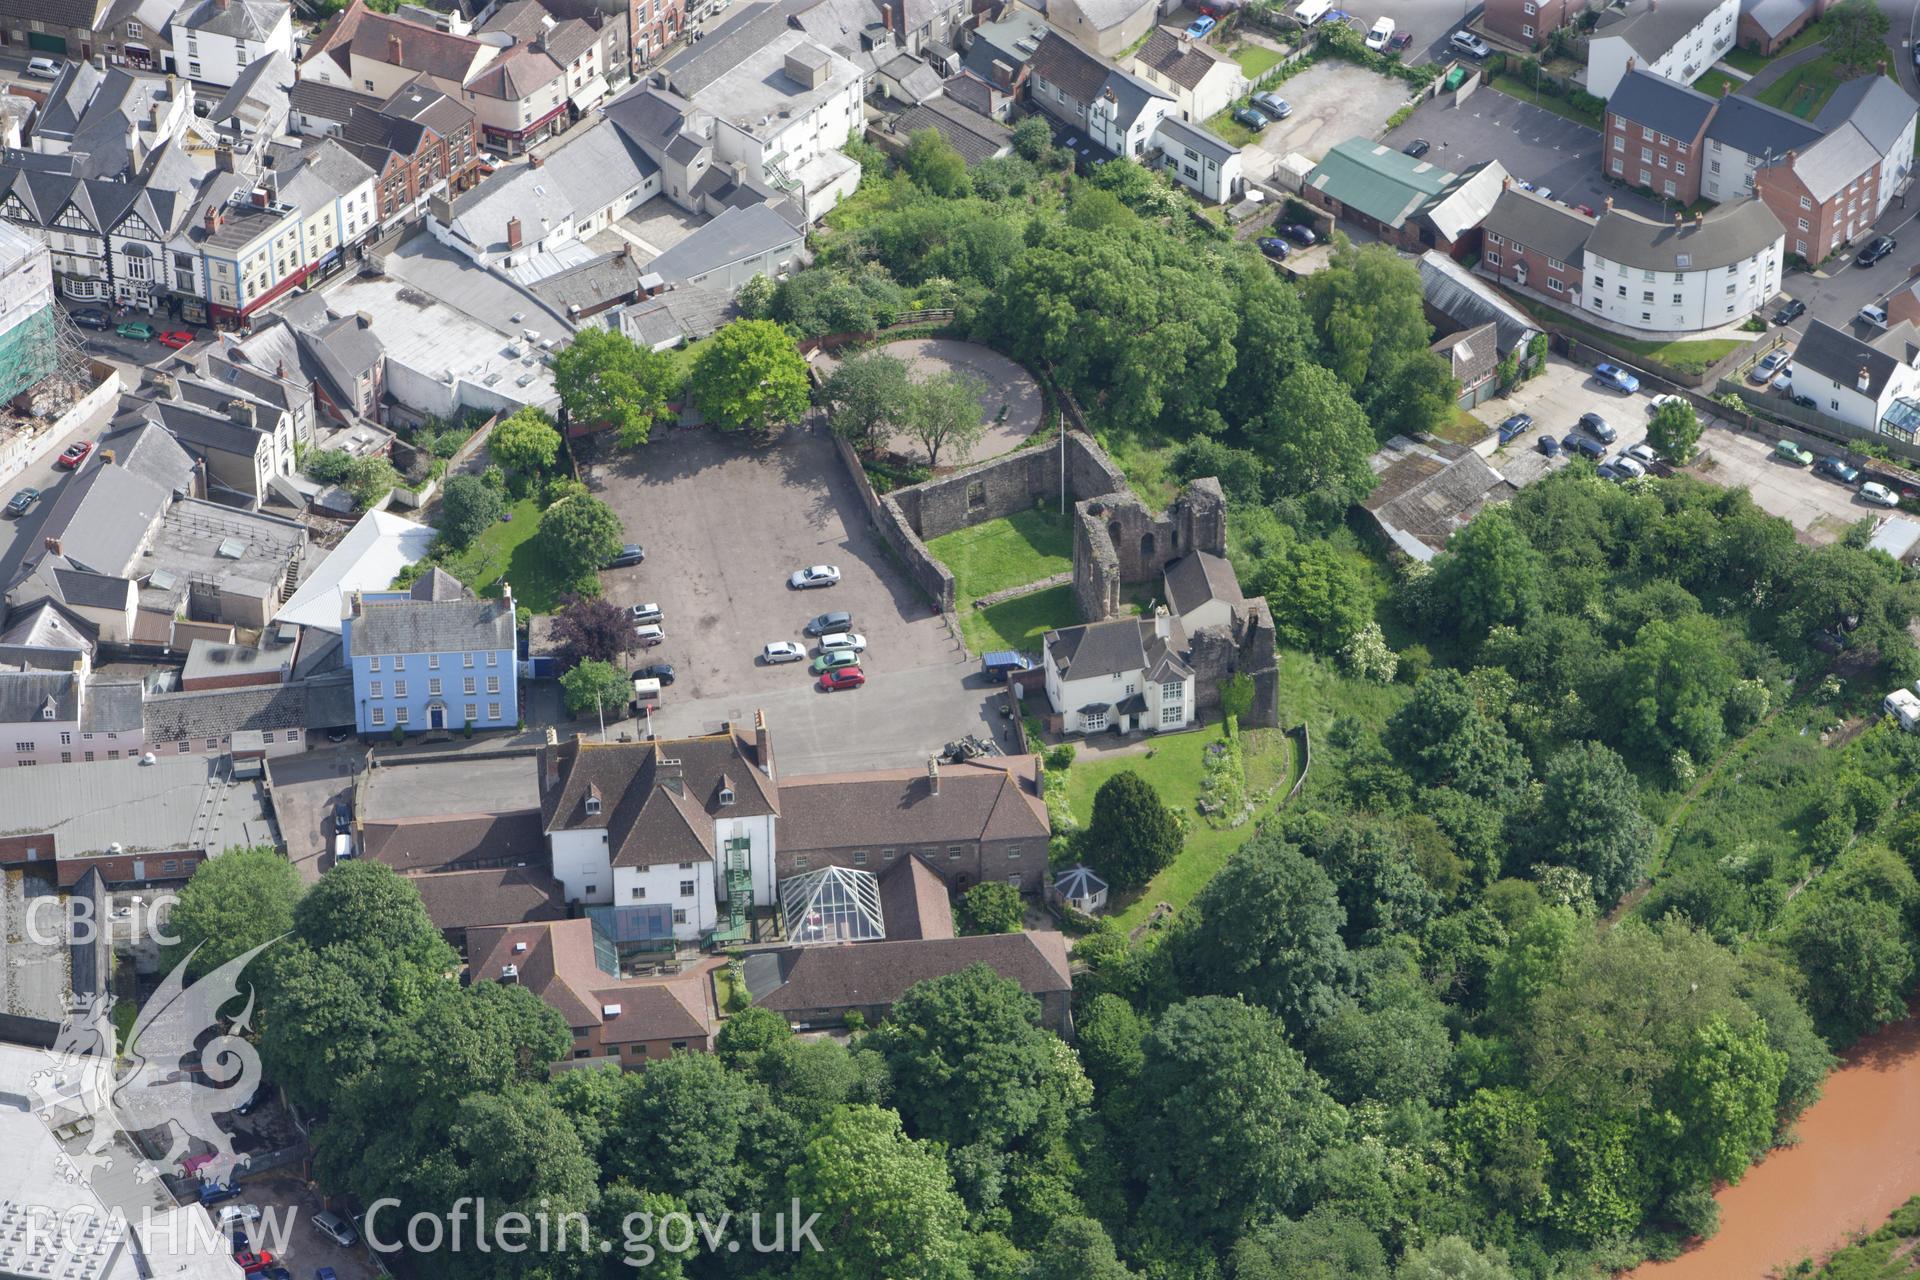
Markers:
point(1453, 1258)
point(1675, 431)
point(1419, 396)
point(1223, 1091)
point(1858, 962)
point(1316, 438)
point(592, 629)
point(755, 297)
point(1720, 1102)
point(1077, 1248)
point(935, 165)
point(1489, 575)
point(1589, 817)
point(595, 688)
point(866, 396)
point(971, 1063)
point(232, 904)
point(1444, 737)
point(885, 1202)
point(750, 376)
point(1535, 958)
point(992, 906)
point(745, 1035)
point(369, 479)
point(606, 379)
point(1133, 834)
point(590, 1095)
point(1033, 138)
point(1673, 688)
point(527, 442)
point(1367, 311)
point(1112, 1042)
point(943, 414)
point(1318, 597)
point(1497, 1136)
point(1267, 929)
point(581, 533)
point(1097, 211)
point(685, 1129)
point(1324, 1245)
point(1856, 35)
point(1768, 982)
point(619, 1211)
point(1393, 1047)
point(809, 1078)
point(1273, 321)
point(468, 508)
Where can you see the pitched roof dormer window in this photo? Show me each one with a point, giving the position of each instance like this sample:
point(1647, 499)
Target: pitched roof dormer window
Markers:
point(593, 801)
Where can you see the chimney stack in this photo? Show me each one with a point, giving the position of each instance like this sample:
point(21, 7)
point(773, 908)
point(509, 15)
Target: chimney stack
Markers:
point(1609, 204)
point(513, 234)
point(886, 17)
point(534, 161)
point(1699, 220)
point(241, 412)
point(1506, 183)
point(1679, 217)
point(933, 774)
point(1726, 87)
point(394, 51)
point(552, 757)
point(213, 219)
point(1864, 380)
point(223, 157)
point(53, 545)
point(763, 743)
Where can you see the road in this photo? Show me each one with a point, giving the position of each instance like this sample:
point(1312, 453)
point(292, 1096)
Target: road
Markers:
point(17, 536)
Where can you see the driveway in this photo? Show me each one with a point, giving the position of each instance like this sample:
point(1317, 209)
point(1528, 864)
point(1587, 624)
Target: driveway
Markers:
point(1534, 144)
point(305, 789)
point(1820, 509)
point(1332, 101)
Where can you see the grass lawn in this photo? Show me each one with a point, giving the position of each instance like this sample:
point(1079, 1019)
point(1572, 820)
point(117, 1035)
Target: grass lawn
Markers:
point(1020, 622)
point(1515, 88)
point(1269, 758)
point(1713, 82)
point(1255, 60)
point(1024, 547)
point(508, 551)
point(725, 983)
point(1147, 464)
point(1687, 355)
point(1806, 88)
point(1463, 428)
point(1232, 131)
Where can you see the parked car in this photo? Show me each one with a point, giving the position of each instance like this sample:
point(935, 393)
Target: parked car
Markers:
point(1518, 424)
point(650, 635)
point(1612, 375)
point(238, 1215)
point(1805, 401)
point(1381, 33)
point(1598, 427)
point(631, 554)
point(1654, 405)
point(1300, 233)
point(1252, 117)
point(1272, 105)
point(1878, 494)
point(138, 330)
point(661, 671)
point(1607, 471)
point(22, 502)
point(1584, 208)
point(1873, 314)
point(90, 318)
point(1876, 249)
point(252, 1263)
point(1644, 454)
point(1001, 663)
point(212, 1193)
point(833, 660)
point(176, 338)
point(1837, 468)
point(1401, 39)
point(1585, 446)
point(648, 612)
point(1199, 27)
point(844, 678)
point(1631, 468)
point(851, 641)
point(44, 68)
point(1792, 311)
point(1274, 247)
point(1764, 370)
point(779, 651)
point(1470, 44)
point(73, 455)
point(828, 623)
point(1550, 446)
point(1788, 451)
point(818, 575)
point(337, 1229)
point(1417, 148)
point(343, 815)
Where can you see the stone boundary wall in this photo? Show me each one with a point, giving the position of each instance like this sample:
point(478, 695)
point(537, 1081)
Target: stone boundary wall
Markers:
point(897, 532)
point(1014, 482)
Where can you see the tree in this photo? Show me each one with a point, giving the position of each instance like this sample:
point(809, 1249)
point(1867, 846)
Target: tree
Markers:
point(943, 412)
point(1372, 331)
point(1032, 138)
point(885, 1202)
point(1317, 438)
point(992, 906)
point(1856, 35)
point(580, 533)
point(1858, 965)
point(1675, 431)
point(369, 479)
point(1443, 736)
point(749, 375)
point(755, 297)
point(1267, 929)
point(592, 629)
point(1324, 1245)
point(935, 165)
point(1222, 1091)
point(1590, 818)
point(1318, 597)
point(744, 1036)
point(1112, 1041)
point(685, 1128)
point(596, 688)
point(1673, 687)
point(1722, 1098)
point(1076, 1248)
point(527, 442)
point(1393, 1048)
point(1453, 1258)
point(232, 904)
point(605, 378)
point(1489, 575)
point(468, 508)
point(866, 397)
point(1133, 834)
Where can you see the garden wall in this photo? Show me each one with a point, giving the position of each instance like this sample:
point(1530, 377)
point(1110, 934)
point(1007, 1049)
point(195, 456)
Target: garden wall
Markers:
point(885, 515)
point(1008, 484)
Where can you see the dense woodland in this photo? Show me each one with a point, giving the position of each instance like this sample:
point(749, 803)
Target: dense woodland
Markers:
point(1503, 995)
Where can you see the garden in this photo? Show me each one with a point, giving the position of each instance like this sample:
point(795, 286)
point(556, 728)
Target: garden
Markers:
point(999, 555)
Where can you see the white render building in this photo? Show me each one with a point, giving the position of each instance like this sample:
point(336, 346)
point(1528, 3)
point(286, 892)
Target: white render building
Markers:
point(215, 40)
point(1685, 276)
point(1678, 39)
point(1126, 674)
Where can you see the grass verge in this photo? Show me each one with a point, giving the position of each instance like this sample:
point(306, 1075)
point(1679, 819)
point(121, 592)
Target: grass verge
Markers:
point(1020, 622)
point(1714, 83)
point(508, 551)
point(1559, 106)
point(1255, 60)
point(1024, 547)
point(1687, 355)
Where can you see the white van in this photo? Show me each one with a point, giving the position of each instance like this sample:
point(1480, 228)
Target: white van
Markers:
point(646, 693)
point(44, 68)
point(342, 847)
point(1381, 33)
point(1311, 11)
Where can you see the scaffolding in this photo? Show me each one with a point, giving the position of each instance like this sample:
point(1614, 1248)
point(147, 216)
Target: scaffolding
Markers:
point(44, 359)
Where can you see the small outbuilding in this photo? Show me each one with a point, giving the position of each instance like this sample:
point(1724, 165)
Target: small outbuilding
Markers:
point(1079, 888)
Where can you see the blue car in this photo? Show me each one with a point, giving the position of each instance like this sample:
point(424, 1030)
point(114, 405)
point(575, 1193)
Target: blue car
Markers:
point(1612, 375)
point(1549, 446)
point(1199, 27)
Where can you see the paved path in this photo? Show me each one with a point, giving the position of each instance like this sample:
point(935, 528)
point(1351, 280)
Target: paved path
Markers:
point(1778, 67)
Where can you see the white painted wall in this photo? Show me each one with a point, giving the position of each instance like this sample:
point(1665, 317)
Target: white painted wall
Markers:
point(1681, 301)
point(580, 860)
point(1686, 60)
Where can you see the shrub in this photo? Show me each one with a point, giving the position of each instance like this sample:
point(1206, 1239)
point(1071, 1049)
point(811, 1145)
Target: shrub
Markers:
point(1060, 759)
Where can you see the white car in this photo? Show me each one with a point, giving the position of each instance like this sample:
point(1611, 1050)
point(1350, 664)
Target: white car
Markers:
point(1644, 454)
point(1629, 467)
point(819, 575)
point(647, 613)
point(783, 651)
point(238, 1215)
point(1381, 33)
point(844, 640)
point(1653, 405)
point(1878, 494)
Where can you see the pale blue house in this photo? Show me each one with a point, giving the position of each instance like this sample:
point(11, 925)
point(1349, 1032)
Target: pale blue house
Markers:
point(432, 657)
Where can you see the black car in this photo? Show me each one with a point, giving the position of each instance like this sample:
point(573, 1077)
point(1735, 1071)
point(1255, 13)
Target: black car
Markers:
point(1790, 312)
point(342, 816)
point(1880, 248)
point(1274, 247)
point(1838, 469)
point(1549, 446)
point(1585, 445)
point(90, 318)
point(1518, 424)
point(828, 623)
point(1298, 233)
point(1417, 148)
point(22, 502)
point(1598, 427)
point(631, 554)
point(661, 671)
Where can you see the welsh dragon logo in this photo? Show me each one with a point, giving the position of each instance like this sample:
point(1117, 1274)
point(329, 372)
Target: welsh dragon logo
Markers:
point(178, 1070)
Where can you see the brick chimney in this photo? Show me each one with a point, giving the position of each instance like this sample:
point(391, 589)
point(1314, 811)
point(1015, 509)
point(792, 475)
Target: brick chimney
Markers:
point(1679, 217)
point(395, 50)
point(53, 545)
point(223, 158)
point(552, 757)
point(513, 234)
point(214, 219)
point(534, 161)
point(1609, 204)
point(1865, 379)
point(1506, 183)
point(886, 17)
point(933, 775)
point(1699, 220)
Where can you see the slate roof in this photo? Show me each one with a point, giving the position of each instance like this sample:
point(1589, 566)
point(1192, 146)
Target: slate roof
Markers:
point(437, 584)
point(914, 902)
point(1107, 14)
point(1185, 62)
point(460, 842)
point(1523, 218)
point(1199, 138)
point(1663, 105)
point(748, 28)
point(437, 53)
point(328, 101)
point(734, 236)
point(1826, 167)
point(1878, 107)
point(1652, 27)
point(440, 626)
point(215, 713)
point(688, 311)
point(879, 973)
point(973, 135)
point(592, 285)
point(1839, 356)
point(111, 706)
point(1377, 180)
point(1728, 234)
point(1109, 648)
point(516, 74)
point(465, 900)
point(658, 799)
point(103, 515)
point(1754, 127)
point(1199, 577)
point(590, 170)
point(26, 695)
point(1085, 78)
point(250, 20)
point(1774, 16)
point(993, 798)
point(971, 92)
point(1472, 354)
point(45, 635)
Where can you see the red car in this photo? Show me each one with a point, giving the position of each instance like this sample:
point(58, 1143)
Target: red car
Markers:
point(175, 338)
point(843, 678)
point(253, 1263)
point(1586, 209)
point(75, 454)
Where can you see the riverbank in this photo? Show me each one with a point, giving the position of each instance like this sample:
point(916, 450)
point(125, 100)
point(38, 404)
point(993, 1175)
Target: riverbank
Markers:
point(1856, 1161)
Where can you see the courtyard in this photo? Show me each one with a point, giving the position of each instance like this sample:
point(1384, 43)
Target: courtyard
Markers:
point(1332, 101)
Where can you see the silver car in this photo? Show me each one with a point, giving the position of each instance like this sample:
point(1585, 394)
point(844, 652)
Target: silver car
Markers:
point(819, 575)
point(782, 651)
point(844, 640)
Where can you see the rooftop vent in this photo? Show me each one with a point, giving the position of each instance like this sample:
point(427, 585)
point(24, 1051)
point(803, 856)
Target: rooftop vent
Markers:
point(231, 549)
point(609, 1010)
